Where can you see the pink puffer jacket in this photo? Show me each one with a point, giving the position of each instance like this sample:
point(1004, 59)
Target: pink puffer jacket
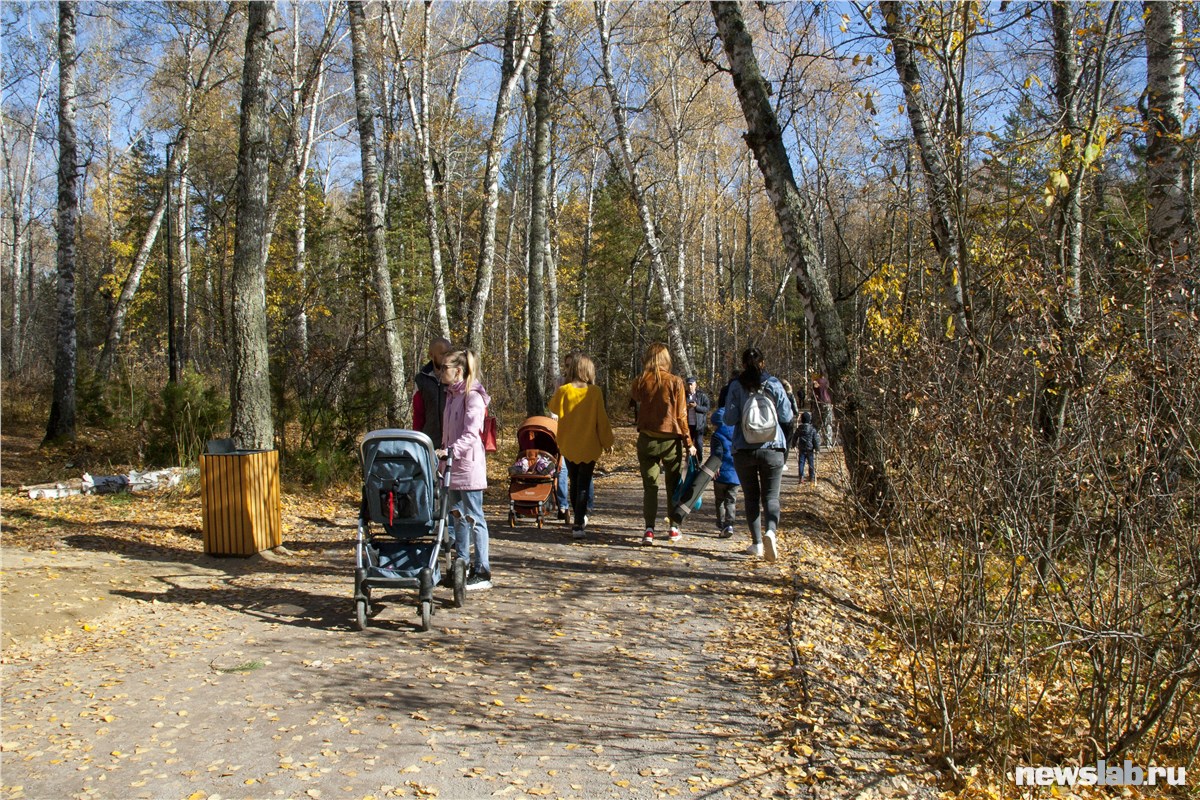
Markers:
point(462, 422)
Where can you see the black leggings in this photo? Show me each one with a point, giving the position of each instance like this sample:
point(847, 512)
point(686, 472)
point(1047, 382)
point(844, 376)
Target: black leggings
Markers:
point(579, 477)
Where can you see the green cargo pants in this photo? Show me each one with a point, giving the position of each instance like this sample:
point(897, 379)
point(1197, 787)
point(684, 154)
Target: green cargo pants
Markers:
point(655, 455)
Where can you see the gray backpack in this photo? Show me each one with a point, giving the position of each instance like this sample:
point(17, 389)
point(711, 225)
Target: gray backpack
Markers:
point(759, 419)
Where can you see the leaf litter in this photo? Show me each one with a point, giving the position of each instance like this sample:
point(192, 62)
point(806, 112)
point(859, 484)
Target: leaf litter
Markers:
point(764, 679)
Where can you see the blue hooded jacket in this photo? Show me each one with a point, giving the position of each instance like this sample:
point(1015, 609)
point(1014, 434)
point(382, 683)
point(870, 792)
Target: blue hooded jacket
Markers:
point(722, 444)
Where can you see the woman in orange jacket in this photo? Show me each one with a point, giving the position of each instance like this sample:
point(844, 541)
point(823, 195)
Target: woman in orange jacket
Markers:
point(663, 435)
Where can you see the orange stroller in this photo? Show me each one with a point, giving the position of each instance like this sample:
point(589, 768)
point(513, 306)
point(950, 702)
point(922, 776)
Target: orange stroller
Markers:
point(529, 492)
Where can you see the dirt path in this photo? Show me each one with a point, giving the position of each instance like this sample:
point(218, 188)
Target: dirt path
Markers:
point(595, 669)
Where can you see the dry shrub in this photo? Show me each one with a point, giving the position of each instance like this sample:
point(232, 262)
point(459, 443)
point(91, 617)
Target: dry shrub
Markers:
point(1048, 592)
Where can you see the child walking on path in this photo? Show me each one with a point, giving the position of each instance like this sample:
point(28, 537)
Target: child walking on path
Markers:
point(462, 424)
point(726, 483)
point(807, 442)
point(662, 434)
point(583, 433)
point(753, 396)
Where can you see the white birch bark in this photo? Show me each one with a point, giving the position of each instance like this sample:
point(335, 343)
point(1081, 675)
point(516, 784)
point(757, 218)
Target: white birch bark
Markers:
point(658, 269)
point(133, 280)
point(517, 44)
point(397, 411)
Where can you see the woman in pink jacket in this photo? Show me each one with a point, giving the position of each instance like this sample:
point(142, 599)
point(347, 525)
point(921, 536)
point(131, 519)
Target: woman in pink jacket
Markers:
point(462, 423)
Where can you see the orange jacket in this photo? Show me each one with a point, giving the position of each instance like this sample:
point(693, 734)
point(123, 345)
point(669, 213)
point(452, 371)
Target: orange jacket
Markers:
point(662, 405)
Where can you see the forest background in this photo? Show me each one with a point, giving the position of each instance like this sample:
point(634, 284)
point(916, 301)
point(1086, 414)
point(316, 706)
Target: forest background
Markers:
point(976, 219)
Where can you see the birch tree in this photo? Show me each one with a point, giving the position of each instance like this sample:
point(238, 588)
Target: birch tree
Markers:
point(517, 44)
point(944, 222)
point(1167, 194)
point(61, 424)
point(658, 269)
point(863, 453)
point(18, 181)
point(252, 426)
point(539, 229)
point(116, 325)
point(418, 107)
point(397, 410)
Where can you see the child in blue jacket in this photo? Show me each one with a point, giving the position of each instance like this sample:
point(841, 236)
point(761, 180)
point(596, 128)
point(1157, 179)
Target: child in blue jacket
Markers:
point(726, 483)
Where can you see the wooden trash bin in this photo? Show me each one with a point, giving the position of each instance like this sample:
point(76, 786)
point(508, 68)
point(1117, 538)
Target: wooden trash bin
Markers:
point(239, 501)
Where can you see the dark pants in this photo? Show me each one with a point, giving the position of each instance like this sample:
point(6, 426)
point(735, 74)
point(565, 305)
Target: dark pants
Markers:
point(563, 497)
point(760, 472)
point(580, 477)
point(726, 497)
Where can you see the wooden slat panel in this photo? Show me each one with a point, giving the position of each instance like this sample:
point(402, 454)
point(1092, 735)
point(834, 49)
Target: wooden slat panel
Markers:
point(240, 508)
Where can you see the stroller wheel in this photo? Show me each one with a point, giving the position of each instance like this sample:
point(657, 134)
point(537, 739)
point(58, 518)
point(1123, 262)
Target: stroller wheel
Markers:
point(360, 613)
point(426, 614)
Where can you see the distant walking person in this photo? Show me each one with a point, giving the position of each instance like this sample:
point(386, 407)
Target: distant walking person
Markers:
point(663, 435)
point(808, 441)
point(698, 406)
point(462, 426)
point(824, 400)
point(758, 409)
point(429, 401)
point(584, 433)
point(726, 482)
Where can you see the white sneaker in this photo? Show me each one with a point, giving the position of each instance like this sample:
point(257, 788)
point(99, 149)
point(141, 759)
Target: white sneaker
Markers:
point(755, 550)
point(770, 546)
point(674, 535)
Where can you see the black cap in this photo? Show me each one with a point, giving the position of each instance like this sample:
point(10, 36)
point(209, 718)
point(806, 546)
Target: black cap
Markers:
point(692, 379)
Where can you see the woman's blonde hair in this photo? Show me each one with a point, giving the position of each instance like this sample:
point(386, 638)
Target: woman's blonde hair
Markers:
point(468, 362)
point(657, 357)
point(579, 367)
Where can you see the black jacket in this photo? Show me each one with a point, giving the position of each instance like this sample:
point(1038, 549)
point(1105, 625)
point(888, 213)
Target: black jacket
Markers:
point(698, 414)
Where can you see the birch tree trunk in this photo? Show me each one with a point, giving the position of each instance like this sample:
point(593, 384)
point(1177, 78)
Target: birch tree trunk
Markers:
point(1166, 190)
point(862, 447)
point(943, 218)
point(61, 424)
point(116, 325)
point(588, 229)
point(551, 262)
point(183, 256)
point(535, 357)
point(252, 426)
point(658, 270)
point(19, 213)
point(418, 107)
point(517, 44)
point(1076, 136)
point(397, 410)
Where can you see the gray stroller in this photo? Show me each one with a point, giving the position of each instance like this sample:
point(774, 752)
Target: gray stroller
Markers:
point(402, 524)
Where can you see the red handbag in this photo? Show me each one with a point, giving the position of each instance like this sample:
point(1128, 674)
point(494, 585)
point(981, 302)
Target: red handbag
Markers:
point(489, 434)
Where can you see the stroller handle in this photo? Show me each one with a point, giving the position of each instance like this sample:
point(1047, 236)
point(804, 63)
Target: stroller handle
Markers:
point(442, 487)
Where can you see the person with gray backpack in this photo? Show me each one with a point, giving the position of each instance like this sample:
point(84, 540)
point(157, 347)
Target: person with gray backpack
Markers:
point(758, 408)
